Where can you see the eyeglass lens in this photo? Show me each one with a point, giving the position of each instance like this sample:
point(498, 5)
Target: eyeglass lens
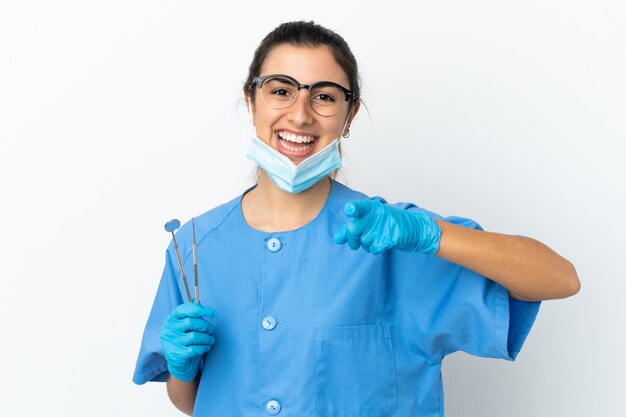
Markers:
point(280, 93)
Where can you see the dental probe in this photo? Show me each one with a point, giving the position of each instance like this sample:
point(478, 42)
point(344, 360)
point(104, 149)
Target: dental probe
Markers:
point(195, 262)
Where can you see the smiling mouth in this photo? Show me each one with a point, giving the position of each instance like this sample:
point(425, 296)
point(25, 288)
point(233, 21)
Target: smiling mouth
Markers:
point(295, 143)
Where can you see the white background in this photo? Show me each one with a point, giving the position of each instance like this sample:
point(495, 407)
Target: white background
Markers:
point(116, 116)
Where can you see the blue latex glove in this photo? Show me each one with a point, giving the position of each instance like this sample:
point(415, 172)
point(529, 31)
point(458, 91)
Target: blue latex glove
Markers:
point(377, 227)
point(186, 335)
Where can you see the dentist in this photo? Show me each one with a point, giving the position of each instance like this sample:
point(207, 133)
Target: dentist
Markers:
point(320, 300)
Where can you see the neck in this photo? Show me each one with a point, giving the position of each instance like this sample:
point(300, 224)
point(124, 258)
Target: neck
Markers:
point(270, 209)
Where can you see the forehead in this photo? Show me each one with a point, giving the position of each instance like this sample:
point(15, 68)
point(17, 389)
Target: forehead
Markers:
point(305, 64)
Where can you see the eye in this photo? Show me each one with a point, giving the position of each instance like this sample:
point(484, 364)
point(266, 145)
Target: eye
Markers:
point(281, 92)
point(325, 97)
point(279, 89)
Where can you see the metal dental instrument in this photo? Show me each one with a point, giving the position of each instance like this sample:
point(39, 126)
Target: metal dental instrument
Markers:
point(171, 226)
point(195, 262)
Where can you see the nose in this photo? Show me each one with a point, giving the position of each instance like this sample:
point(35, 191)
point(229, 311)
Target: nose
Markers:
point(300, 112)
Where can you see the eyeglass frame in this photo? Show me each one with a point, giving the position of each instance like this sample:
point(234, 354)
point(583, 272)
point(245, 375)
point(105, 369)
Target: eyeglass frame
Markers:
point(260, 80)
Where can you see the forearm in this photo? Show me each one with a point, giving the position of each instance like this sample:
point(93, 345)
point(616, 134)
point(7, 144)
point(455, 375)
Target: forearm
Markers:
point(525, 266)
point(182, 394)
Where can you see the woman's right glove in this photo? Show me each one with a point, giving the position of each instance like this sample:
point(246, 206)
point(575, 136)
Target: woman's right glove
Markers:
point(186, 335)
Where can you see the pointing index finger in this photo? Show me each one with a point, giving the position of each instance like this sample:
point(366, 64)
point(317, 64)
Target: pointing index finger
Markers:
point(357, 208)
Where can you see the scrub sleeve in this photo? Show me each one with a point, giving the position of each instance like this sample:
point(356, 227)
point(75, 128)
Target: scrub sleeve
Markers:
point(460, 309)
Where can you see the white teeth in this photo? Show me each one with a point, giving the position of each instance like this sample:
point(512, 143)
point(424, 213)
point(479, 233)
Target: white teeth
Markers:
point(295, 138)
point(286, 145)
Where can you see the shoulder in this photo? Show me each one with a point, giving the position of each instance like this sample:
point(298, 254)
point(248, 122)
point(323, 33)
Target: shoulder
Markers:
point(212, 219)
point(204, 224)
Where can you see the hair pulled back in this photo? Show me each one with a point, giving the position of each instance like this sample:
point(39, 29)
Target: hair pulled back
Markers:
point(302, 33)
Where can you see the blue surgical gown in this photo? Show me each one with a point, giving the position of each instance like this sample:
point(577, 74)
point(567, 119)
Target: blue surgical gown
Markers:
point(309, 328)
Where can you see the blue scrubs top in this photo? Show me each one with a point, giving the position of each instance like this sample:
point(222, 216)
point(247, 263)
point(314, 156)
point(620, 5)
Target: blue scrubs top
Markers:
point(309, 328)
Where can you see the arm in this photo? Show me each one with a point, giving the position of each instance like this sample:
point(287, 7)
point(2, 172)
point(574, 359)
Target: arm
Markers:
point(530, 270)
point(182, 394)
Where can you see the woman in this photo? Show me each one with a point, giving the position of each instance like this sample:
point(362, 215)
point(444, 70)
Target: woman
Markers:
point(331, 303)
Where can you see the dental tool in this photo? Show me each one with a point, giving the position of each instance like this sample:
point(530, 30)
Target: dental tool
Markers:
point(195, 262)
point(172, 226)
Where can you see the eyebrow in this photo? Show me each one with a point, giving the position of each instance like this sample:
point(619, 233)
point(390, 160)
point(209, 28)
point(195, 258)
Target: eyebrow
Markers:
point(282, 77)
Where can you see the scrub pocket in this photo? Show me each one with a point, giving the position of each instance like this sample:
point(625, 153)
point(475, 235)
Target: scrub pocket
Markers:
point(355, 371)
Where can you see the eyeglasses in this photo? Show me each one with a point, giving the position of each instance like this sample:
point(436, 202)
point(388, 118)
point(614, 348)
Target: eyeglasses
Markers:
point(280, 91)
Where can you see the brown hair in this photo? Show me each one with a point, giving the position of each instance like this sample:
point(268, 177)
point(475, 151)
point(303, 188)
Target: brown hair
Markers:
point(310, 34)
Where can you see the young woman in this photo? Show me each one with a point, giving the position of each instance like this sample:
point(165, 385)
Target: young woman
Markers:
point(331, 303)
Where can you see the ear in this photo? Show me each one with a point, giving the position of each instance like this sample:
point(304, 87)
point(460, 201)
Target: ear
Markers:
point(354, 111)
point(249, 107)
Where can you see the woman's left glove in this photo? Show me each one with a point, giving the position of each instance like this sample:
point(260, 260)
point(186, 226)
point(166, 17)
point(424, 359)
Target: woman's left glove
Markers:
point(377, 227)
point(186, 335)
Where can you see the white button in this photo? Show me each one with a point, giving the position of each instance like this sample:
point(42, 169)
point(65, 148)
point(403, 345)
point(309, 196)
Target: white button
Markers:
point(272, 407)
point(274, 245)
point(268, 322)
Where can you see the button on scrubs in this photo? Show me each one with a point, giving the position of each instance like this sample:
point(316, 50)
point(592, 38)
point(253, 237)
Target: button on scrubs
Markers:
point(309, 328)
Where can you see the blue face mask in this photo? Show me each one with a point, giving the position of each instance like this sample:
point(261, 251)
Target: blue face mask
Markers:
point(289, 176)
